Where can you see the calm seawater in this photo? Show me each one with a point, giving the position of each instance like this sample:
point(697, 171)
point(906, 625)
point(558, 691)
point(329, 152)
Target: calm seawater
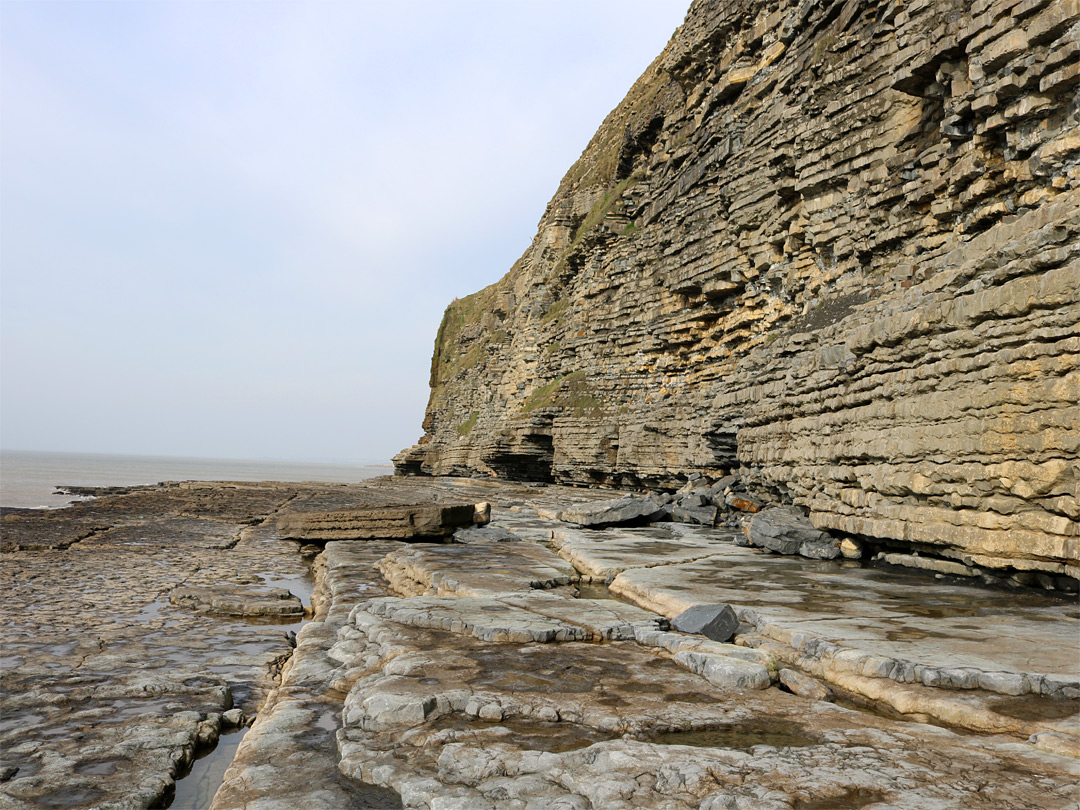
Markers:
point(29, 478)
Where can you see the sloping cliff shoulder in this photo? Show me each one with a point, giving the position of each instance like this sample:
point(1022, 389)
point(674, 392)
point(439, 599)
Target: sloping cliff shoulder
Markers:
point(833, 246)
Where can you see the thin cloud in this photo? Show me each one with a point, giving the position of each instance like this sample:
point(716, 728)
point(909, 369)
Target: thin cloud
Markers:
point(222, 220)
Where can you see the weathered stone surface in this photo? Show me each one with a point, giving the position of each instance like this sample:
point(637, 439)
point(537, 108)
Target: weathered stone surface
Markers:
point(521, 619)
point(485, 534)
point(238, 601)
point(391, 701)
point(851, 549)
point(447, 723)
point(107, 687)
point(955, 569)
point(786, 530)
point(836, 619)
point(609, 513)
point(803, 686)
point(716, 622)
point(602, 555)
point(476, 569)
point(299, 720)
point(836, 250)
point(741, 503)
point(482, 513)
point(388, 522)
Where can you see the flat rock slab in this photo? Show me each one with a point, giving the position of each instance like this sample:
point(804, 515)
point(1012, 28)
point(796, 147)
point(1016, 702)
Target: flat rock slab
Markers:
point(239, 601)
point(446, 721)
point(521, 619)
point(888, 614)
point(604, 553)
point(476, 569)
point(388, 522)
point(299, 722)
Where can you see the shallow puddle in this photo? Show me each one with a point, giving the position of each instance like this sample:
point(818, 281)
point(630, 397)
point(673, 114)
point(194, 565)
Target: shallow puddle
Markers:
point(593, 590)
point(742, 737)
point(301, 586)
point(151, 611)
point(78, 796)
point(1030, 707)
point(17, 720)
point(196, 790)
point(850, 799)
point(101, 767)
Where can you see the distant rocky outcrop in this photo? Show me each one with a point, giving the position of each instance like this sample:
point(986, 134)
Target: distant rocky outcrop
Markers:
point(833, 247)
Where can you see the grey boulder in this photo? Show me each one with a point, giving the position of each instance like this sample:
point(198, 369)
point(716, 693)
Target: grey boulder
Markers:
point(700, 515)
point(609, 513)
point(717, 622)
point(785, 530)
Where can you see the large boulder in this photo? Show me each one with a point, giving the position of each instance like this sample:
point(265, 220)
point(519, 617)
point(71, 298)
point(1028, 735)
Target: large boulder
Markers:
point(786, 530)
point(717, 622)
point(699, 515)
point(388, 522)
point(610, 513)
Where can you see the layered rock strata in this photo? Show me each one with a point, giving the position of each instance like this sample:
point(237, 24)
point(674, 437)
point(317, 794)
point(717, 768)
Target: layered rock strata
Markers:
point(834, 245)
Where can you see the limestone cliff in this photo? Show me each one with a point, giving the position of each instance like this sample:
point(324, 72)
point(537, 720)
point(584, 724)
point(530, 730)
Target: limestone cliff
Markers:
point(834, 245)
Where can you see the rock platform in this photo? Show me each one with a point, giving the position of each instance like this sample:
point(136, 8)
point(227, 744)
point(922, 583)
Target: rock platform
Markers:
point(505, 673)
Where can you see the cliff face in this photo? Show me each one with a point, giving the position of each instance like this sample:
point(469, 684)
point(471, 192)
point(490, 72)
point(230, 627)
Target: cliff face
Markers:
point(834, 246)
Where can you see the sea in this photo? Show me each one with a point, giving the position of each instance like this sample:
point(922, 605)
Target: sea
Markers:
point(30, 478)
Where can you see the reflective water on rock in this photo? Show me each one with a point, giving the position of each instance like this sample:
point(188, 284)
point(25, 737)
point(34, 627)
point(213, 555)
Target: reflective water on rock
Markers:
point(1029, 707)
point(196, 790)
point(850, 799)
point(742, 737)
point(594, 590)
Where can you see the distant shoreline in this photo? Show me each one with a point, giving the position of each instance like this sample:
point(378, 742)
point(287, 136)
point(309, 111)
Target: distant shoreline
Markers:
point(29, 478)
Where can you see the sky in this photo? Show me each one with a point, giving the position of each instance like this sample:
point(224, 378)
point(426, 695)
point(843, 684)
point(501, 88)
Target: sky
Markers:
point(230, 229)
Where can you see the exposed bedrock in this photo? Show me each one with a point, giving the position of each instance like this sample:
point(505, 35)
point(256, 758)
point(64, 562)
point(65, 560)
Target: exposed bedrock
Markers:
point(832, 246)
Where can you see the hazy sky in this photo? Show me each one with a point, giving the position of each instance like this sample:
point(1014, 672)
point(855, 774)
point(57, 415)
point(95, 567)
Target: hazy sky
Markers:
point(230, 229)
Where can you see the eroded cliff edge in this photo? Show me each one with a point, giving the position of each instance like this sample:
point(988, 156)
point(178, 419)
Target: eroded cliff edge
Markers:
point(834, 246)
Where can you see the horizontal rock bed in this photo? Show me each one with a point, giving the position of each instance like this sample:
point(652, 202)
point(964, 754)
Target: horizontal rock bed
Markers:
point(472, 674)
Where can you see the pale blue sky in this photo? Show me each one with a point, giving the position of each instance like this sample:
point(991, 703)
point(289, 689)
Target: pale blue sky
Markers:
point(230, 229)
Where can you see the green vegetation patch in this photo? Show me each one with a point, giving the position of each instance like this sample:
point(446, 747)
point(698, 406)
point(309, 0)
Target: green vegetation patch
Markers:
point(543, 396)
point(465, 428)
point(601, 208)
point(448, 359)
point(555, 311)
point(573, 394)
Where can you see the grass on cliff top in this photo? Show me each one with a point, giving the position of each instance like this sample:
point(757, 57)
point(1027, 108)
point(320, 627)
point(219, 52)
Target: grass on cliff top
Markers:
point(599, 162)
point(447, 359)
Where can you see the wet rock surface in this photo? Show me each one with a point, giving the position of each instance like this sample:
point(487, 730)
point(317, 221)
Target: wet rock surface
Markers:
point(473, 675)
